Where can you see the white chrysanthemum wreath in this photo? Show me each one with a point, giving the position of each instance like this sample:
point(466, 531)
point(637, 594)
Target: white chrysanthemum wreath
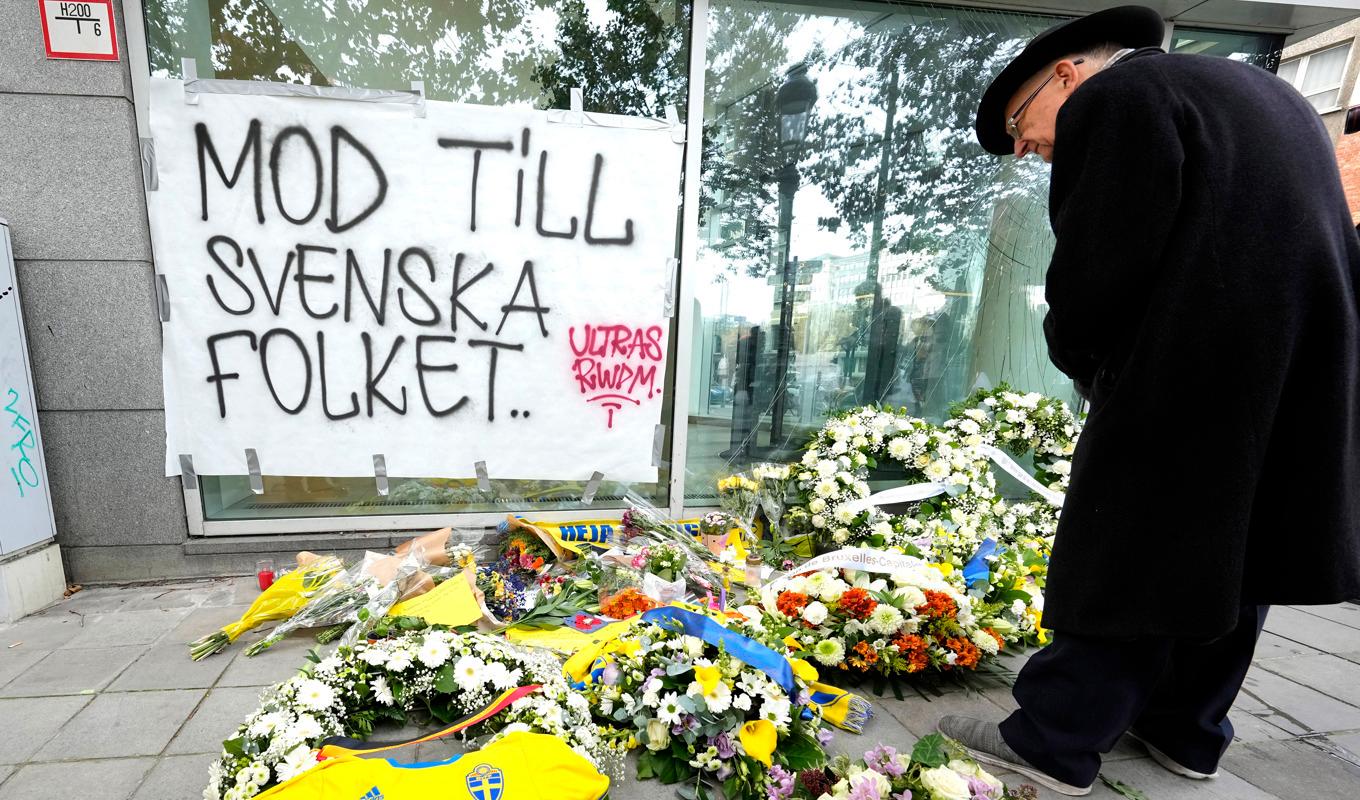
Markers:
point(1021, 424)
point(444, 674)
point(835, 468)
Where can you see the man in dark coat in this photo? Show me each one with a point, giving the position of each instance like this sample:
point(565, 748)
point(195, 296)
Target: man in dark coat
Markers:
point(1203, 296)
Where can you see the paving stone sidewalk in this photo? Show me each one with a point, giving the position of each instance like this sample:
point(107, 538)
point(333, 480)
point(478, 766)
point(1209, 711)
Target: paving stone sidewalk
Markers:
point(98, 699)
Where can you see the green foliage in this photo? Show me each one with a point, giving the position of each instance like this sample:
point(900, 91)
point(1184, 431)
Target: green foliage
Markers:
point(931, 750)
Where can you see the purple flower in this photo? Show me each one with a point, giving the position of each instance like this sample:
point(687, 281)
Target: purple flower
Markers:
point(724, 772)
point(726, 749)
point(657, 672)
point(781, 784)
point(610, 675)
point(905, 794)
point(981, 789)
point(866, 788)
point(883, 760)
point(824, 736)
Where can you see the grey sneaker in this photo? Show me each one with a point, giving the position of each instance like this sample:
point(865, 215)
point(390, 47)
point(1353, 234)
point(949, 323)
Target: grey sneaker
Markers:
point(983, 741)
point(1171, 764)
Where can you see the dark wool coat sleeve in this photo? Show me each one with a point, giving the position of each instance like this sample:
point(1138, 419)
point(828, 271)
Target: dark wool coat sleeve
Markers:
point(1203, 291)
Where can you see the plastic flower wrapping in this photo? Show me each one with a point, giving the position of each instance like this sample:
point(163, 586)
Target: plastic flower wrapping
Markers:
point(356, 599)
point(435, 675)
point(699, 715)
point(935, 769)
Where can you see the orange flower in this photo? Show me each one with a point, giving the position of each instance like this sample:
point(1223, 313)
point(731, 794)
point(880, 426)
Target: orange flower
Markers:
point(857, 604)
point(914, 650)
point(626, 603)
point(966, 651)
point(938, 605)
point(864, 656)
point(791, 604)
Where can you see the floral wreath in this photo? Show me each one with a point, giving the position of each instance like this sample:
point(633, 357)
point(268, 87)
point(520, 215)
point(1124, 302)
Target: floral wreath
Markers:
point(444, 674)
point(1020, 424)
point(835, 467)
point(703, 717)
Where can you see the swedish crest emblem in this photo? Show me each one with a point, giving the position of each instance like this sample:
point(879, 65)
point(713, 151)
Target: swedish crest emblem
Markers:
point(485, 782)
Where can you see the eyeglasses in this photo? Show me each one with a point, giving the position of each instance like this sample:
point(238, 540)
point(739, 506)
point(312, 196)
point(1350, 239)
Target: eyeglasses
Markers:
point(1011, 121)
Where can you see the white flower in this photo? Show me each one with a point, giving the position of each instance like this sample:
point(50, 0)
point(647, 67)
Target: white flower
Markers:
point(658, 735)
point(670, 710)
point(826, 468)
point(815, 613)
point(984, 642)
point(829, 651)
point(776, 710)
point(314, 694)
point(841, 535)
point(899, 448)
point(741, 702)
point(818, 521)
point(297, 761)
point(885, 619)
point(469, 672)
point(381, 691)
point(306, 727)
point(374, 656)
point(971, 769)
point(498, 675)
point(694, 646)
point(399, 660)
point(817, 506)
point(843, 515)
point(434, 652)
point(825, 488)
point(944, 783)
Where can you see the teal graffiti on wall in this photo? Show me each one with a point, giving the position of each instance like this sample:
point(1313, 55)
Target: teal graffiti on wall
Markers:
point(24, 472)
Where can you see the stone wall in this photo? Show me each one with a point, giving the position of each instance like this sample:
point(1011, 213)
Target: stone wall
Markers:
point(71, 188)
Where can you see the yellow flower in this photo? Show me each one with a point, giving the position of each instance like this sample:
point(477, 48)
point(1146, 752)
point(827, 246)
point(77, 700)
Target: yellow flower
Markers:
point(1040, 631)
point(708, 677)
point(945, 569)
point(758, 738)
point(805, 671)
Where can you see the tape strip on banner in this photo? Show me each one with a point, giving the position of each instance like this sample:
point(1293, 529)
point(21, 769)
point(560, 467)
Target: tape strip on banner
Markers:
point(592, 486)
point(898, 494)
point(162, 297)
point(1018, 472)
point(863, 559)
point(186, 472)
point(253, 465)
point(380, 473)
point(659, 445)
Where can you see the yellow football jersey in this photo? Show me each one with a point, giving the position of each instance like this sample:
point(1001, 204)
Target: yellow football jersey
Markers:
point(521, 766)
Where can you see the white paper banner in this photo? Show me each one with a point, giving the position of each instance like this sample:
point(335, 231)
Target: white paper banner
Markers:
point(857, 558)
point(347, 279)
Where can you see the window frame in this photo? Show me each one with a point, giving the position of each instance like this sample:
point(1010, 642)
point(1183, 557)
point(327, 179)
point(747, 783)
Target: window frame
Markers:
point(1303, 62)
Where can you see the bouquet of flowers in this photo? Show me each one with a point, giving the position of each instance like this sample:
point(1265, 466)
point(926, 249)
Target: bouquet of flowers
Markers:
point(910, 622)
point(714, 529)
point(362, 594)
point(421, 675)
point(441, 548)
point(739, 496)
point(773, 482)
point(644, 527)
point(663, 571)
point(936, 769)
point(702, 716)
point(284, 598)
